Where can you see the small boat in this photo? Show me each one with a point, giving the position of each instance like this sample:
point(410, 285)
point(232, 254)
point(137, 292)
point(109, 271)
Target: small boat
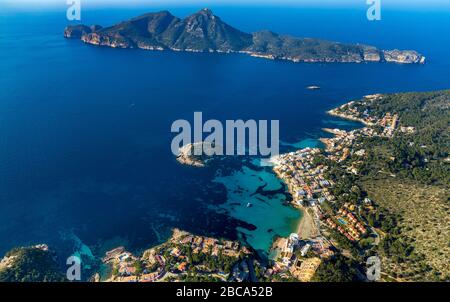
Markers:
point(313, 87)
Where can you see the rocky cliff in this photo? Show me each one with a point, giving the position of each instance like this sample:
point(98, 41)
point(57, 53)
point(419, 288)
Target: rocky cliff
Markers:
point(205, 32)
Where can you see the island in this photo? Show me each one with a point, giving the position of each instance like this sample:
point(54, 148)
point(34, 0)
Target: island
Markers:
point(206, 32)
point(187, 154)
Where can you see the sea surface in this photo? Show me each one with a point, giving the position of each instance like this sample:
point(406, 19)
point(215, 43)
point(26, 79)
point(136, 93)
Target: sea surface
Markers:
point(85, 160)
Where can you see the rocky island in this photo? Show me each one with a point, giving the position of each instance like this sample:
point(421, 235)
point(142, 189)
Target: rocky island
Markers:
point(187, 154)
point(205, 32)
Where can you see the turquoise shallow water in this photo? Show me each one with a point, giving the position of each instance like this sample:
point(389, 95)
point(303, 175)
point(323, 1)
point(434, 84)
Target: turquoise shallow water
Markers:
point(268, 212)
point(307, 142)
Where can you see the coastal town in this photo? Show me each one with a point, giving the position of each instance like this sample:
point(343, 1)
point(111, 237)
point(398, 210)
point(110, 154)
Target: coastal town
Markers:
point(305, 175)
point(305, 172)
point(182, 257)
point(340, 227)
point(247, 149)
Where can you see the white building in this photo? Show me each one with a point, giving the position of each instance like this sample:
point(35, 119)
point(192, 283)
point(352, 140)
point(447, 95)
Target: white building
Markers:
point(305, 249)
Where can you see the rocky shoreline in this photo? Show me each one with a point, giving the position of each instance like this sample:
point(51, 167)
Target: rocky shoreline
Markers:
point(187, 154)
point(333, 112)
point(205, 32)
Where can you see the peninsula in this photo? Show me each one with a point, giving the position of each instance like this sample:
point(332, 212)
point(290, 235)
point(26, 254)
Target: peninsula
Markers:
point(205, 32)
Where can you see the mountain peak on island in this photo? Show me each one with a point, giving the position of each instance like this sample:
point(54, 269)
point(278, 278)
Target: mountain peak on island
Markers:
point(206, 11)
point(205, 32)
point(204, 16)
point(203, 13)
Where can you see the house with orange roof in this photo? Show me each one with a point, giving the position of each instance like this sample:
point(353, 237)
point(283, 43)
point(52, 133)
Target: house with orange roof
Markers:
point(182, 266)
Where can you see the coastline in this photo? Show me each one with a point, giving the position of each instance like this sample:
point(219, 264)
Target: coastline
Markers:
point(260, 44)
point(170, 261)
point(333, 112)
point(306, 225)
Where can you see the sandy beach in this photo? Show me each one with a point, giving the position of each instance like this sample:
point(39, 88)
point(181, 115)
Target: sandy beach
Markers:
point(306, 228)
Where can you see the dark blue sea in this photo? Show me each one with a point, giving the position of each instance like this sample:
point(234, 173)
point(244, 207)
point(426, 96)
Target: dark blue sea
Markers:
point(85, 160)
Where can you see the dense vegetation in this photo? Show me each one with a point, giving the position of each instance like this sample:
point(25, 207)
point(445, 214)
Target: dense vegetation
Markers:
point(422, 156)
point(204, 31)
point(31, 265)
point(337, 269)
point(413, 160)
